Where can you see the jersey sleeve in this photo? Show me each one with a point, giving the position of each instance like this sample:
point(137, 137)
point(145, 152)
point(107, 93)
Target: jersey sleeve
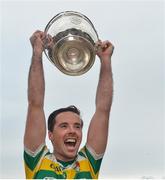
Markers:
point(94, 160)
point(33, 159)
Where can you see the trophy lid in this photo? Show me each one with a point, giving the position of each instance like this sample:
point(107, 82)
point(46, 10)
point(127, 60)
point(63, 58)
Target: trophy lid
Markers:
point(74, 38)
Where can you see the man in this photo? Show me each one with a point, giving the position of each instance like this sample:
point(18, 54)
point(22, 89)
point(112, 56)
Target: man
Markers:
point(65, 124)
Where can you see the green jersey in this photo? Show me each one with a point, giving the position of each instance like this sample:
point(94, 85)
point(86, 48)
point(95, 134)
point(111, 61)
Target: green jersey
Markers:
point(44, 165)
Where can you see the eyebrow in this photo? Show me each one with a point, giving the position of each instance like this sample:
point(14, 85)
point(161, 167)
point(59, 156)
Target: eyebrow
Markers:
point(77, 124)
point(66, 123)
point(63, 123)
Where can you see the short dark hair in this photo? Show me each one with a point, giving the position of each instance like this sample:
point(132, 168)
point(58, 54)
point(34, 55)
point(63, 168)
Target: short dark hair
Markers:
point(52, 116)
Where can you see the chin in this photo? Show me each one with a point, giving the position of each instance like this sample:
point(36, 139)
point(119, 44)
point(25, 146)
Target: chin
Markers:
point(71, 155)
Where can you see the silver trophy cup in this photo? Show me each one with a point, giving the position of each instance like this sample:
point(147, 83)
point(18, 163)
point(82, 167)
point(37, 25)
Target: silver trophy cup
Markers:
point(74, 37)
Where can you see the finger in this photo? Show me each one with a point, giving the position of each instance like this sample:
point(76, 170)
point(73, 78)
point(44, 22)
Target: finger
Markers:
point(107, 44)
point(38, 33)
point(43, 36)
point(49, 36)
point(98, 46)
point(99, 42)
point(48, 41)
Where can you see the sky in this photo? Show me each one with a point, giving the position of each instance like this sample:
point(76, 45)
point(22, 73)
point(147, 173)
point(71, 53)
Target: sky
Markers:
point(136, 144)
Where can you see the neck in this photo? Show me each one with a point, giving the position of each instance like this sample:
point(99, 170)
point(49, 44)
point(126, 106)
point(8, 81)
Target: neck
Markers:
point(63, 158)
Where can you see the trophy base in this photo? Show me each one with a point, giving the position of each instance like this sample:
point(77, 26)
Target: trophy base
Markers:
point(73, 52)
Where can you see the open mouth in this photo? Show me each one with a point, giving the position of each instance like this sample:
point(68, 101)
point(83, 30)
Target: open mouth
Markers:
point(70, 142)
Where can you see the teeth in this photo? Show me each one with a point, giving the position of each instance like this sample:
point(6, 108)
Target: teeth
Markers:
point(71, 140)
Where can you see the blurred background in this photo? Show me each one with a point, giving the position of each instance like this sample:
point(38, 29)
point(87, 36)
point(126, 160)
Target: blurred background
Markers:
point(136, 147)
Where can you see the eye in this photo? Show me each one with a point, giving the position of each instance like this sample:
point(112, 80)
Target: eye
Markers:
point(78, 126)
point(63, 125)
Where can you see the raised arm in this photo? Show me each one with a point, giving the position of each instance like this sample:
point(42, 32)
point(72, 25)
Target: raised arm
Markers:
point(35, 131)
point(98, 129)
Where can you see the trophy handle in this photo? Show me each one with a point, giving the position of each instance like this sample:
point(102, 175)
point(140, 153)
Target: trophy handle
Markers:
point(97, 48)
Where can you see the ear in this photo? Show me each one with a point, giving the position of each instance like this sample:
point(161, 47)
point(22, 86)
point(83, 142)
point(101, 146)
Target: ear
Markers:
point(50, 135)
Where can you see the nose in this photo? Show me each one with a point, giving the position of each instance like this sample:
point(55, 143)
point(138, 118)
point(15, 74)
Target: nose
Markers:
point(71, 129)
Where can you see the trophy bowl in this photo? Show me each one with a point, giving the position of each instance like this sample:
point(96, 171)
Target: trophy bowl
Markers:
point(74, 37)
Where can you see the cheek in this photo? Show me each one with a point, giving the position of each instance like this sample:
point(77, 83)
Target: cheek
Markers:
point(58, 136)
point(79, 134)
point(57, 139)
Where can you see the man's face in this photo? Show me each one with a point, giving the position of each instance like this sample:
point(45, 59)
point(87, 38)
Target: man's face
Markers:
point(66, 136)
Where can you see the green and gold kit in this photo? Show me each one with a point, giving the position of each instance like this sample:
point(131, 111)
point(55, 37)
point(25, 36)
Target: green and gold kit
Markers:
point(44, 165)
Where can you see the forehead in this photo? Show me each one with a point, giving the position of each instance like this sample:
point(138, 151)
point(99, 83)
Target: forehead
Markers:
point(69, 117)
